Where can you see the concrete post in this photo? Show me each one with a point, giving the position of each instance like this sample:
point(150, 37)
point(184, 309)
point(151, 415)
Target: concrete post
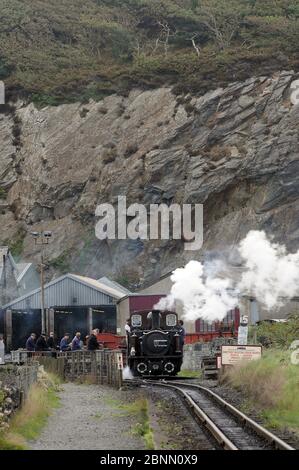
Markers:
point(89, 320)
point(51, 320)
point(8, 329)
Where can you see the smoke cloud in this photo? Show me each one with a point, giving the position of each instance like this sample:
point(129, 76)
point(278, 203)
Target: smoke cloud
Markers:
point(270, 274)
point(202, 295)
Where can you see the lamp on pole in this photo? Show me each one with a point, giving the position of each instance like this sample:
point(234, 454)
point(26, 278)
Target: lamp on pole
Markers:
point(42, 239)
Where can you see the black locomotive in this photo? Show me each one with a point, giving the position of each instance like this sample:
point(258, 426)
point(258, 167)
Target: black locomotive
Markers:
point(155, 343)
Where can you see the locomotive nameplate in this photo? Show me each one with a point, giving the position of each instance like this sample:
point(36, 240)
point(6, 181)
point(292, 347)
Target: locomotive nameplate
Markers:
point(160, 343)
point(231, 355)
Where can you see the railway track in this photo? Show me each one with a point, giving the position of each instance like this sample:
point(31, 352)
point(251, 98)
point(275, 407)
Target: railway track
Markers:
point(228, 426)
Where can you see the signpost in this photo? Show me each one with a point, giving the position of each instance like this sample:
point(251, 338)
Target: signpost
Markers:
point(231, 355)
point(243, 330)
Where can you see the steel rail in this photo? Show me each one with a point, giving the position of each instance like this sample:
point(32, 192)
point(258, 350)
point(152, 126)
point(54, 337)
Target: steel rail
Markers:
point(245, 420)
point(220, 437)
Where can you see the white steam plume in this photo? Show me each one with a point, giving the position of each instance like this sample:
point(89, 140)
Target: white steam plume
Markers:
point(271, 272)
point(127, 374)
point(208, 298)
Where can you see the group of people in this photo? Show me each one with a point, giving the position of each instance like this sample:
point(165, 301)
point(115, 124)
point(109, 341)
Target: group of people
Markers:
point(44, 343)
point(41, 343)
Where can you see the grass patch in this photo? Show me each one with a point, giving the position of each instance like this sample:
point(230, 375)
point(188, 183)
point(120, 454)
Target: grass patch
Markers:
point(28, 422)
point(140, 410)
point(196, 374)
point(142, 428)
point(271, 386)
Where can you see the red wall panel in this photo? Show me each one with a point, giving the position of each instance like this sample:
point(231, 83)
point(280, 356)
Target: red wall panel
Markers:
point(143, 302)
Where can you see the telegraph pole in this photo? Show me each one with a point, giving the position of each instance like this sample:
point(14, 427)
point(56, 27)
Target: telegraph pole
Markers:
point(42, 239)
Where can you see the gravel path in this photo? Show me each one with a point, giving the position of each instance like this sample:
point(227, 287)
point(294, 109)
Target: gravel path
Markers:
point(89, 418)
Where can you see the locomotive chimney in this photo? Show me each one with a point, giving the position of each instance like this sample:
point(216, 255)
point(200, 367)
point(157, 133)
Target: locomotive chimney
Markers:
point(156, 319)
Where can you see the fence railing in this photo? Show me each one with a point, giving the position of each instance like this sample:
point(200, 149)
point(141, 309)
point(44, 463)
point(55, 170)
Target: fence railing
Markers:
point(102, 366)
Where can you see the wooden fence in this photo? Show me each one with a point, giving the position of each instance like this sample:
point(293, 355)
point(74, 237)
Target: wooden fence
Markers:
point(102, 367)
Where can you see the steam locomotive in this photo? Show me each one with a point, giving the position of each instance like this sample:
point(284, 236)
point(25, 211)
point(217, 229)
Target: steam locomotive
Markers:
point(155, 343)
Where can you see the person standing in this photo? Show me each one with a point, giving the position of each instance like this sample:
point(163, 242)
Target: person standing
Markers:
point(128, 326)
point(182, 332)
point(51, 341)
point(93, 344)
point(41, 343)
point(30, 343)
point(64, 343)
point(76, 346)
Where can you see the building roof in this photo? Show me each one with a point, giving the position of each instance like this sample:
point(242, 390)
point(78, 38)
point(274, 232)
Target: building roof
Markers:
point(22, 269)
point(87, 281)
point(113, 291)
point(19, 269)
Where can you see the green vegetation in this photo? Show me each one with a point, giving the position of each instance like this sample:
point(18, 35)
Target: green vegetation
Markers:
point(61, 263)
point(196, 374)
point(271, 386)
point(27, 423)
point(278, 335)
point(60, 51)
point(139, 409)
point(3, 193)
point(16, 244)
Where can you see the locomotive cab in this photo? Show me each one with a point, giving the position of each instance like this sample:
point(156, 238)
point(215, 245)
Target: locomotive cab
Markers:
point(155, 344)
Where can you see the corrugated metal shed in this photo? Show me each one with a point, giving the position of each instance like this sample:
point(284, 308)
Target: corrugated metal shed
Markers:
point(68, 290)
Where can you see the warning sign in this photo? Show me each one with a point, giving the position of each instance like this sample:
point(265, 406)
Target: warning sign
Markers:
point(231, 355)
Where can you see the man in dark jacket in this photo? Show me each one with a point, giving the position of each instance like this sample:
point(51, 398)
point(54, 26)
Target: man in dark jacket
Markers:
point(51, 341)
point(41, 344)
point(182, 332)
point(30, 343)
point(92, 344)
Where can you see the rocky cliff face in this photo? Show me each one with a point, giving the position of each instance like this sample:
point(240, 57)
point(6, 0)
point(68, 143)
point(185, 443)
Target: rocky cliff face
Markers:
point(235, 149)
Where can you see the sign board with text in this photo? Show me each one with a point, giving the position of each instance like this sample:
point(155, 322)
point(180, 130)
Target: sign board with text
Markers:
point(234, 354)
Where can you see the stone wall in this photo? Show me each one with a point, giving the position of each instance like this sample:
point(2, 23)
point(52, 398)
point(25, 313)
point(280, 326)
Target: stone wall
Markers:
point(15, 382)
point(193, 354)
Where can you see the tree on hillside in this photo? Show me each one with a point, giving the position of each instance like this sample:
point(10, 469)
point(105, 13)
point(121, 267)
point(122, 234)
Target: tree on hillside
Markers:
point(223, 18)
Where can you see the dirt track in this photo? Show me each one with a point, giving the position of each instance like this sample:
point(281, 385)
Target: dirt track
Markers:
point(88, 418)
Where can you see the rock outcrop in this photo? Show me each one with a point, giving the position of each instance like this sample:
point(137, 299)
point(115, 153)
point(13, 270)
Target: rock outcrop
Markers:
point(235, 150)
